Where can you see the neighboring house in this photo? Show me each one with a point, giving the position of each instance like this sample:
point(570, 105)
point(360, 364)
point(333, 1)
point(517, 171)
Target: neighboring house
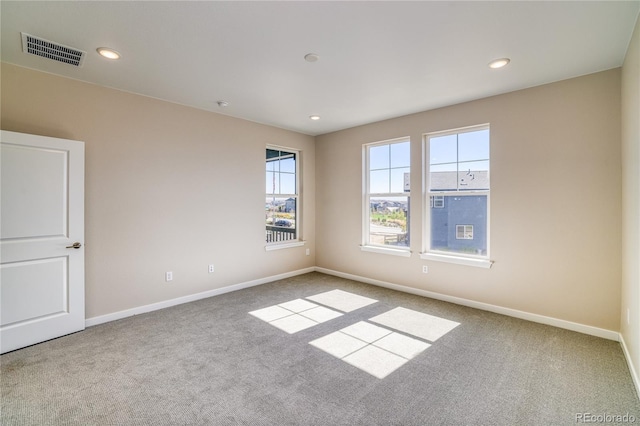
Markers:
point(385, 206)
point(464, 180)
point(290, 205)
point(459, 223)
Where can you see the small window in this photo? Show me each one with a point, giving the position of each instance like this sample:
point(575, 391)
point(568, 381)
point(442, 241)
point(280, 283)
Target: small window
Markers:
point(282, 199)
point(386, 203)
point(436, 201)
point(464, 232)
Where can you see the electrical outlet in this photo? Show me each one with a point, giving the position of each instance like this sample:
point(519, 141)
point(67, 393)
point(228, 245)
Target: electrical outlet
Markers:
point(308, 252)
point(425, 269)
point(211, 269)
point(168, 276)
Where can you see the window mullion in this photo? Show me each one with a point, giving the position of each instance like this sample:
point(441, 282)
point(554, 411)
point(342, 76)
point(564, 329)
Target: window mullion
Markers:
point(389, 167)
point(457, 164)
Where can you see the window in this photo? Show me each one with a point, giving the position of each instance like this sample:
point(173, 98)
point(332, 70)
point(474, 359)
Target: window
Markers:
point(464, 232)
point(457, 181)
point(436, 202)
point(386, 201)
point(281, 207)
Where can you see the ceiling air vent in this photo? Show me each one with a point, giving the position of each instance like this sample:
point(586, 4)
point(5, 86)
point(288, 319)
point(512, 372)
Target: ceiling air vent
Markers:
point(51, 50)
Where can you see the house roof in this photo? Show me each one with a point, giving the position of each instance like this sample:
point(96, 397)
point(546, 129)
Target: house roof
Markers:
point(464, 180)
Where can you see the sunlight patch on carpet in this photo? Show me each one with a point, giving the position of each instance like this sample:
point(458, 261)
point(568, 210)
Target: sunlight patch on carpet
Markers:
point(372, 349)
point(379, 349)
point(342, 300)
point(295, 315)
point(425, 326)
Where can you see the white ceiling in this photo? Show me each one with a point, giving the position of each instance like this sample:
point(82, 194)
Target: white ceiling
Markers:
point(378, 60)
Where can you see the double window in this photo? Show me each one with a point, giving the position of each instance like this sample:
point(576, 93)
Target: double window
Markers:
point(457, 182)
point(456, 214)
point(386, 195)
point(282, 197)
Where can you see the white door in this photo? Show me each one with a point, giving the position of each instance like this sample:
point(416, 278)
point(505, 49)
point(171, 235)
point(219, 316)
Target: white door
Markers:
point(41, 218)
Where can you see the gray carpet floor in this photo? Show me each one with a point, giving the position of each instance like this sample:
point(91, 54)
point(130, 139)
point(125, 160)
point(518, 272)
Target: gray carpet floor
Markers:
point(210, 362)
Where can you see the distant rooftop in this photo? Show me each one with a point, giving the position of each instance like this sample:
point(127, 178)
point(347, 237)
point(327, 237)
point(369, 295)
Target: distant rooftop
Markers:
point(467, 180)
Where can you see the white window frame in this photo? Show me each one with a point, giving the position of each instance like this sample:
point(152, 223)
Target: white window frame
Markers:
point(366, 245)
point(296, 242)
point(482, 261)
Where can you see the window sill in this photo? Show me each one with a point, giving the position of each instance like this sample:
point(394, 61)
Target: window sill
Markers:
point(479, 263)
point(385, 250)
point(280, 246)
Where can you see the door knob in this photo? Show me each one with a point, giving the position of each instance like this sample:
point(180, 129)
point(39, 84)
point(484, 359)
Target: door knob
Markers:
point(75, 246)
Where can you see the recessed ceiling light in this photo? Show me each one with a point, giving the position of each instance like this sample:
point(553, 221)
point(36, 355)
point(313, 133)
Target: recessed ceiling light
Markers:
point(311, 57)
point(223, 104)
point(314, 117)
point(108, 53)
point(499, 63)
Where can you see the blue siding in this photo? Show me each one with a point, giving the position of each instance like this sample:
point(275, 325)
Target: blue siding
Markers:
point(460, 210)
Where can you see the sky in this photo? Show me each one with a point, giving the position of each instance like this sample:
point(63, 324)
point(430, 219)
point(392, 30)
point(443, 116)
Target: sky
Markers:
point(390, 162)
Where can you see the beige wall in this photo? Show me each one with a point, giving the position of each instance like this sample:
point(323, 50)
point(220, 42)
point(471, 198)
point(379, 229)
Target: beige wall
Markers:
point(631, 200)
point(168, 188)
point(555, 202)
point(174, 188)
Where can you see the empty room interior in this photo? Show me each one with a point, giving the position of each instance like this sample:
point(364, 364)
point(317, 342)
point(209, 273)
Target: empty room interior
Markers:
point(320, 213)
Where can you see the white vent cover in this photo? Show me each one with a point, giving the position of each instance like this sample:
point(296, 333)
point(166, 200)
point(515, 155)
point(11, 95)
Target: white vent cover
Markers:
point(52, 50)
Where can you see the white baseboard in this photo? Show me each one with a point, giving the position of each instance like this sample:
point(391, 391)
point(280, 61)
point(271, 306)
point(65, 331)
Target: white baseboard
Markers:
point(190, 298)
point(632, 370)
point(581, 328)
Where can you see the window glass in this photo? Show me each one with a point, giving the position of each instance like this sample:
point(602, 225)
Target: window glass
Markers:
point(387, 199)
point(397, 179)
point(447, 232)
point(474, 175)
point(287, 183)
point(281, 202)
point(443, 177)
point(443, 149)
point(388, 221)
point(379, 157)
point(473, 146)
point(288, 165)
point(400, 155)
point(379, 181)
point(458, 191)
